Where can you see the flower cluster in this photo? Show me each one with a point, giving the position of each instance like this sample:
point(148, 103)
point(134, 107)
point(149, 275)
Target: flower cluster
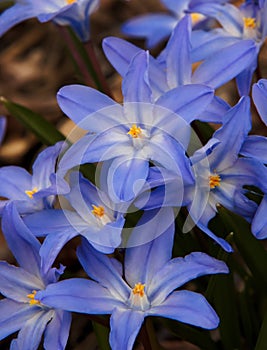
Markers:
point(173, 159)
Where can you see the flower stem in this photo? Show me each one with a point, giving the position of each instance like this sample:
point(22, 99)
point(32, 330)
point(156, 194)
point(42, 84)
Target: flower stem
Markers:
point(76, 56)
point(86, 60)
point(148, 336)
point(95, 67)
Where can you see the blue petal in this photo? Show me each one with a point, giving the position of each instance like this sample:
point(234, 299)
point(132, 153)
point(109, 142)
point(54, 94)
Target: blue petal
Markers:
point(54, 221)
point(187, 307)
point(78, 295)
point(215, 111)
point(226, 64)
point(45, 165)
point(59, 226)
point(52, 245)
point(127, 176)
point(125, 325)
point(229, 16)
point(200, 212)
point(206, 43)
point(259, 94)
point(79, 102)
point(107, 238)
point(135, 86)
point(91, 148)
point(15, 181)
point(17, 283)
point(179, 271)
point(166, 151)
point(14, 15)
point(83, 194)
point(2, 128)
point(57, 331)
point(156, 230)
point(246, 171)
point(177, 7)
point(244, 79)
point(259, 222)
point(13, 316)
point(31, 333)
point(232, 135)
point(153, 27)
point(169, 191)
point(57, 186)
point(76, 15)
point(100, 268)
point(120, 53)
point(256, 147)
point(222, 242)
point(187, 101)
point(106, 145)
point(24, 246)
point(178, 62)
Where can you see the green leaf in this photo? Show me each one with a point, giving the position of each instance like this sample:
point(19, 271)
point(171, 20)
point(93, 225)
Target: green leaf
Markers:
point(221, 293)
point(102, 336)
point(262, 338)
point(248, 316)
point(194, 335)
point(249, 247)
point(43, 129)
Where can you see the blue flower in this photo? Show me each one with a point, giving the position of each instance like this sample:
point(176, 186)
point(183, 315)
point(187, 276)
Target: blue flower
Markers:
point(33, 192)
point(246, 22)
point(2, 128)
point(222, 175)
point(132, 135)
point(74, 13)
point(147, 288)
point(255, 146)
point(20, 310)
point(158, 26)
point(173, 67)
point(259, 95)
point(96, 218)
point(259, 222)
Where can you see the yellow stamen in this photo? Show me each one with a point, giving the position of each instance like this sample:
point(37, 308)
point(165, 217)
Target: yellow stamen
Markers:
point(98, 211)
point(196, 17)
point(30, 193)
point(31, 296)
point(139, 288)
point(135, 131)
point(214, 181)
point(249, 22)
point(70, 1)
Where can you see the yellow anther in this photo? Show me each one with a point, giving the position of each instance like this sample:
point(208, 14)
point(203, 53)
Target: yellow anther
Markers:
point(135, 131)
point(249, 22)
point(196, 17)
point(32, 300)
point(31, 192)
point(70, 1)
point(98, 211)
point(214, 181)
point(139, 288)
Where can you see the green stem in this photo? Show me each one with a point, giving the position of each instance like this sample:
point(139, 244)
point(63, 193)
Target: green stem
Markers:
point(42, 128)
point(86, 60)
point(79, 62)
point(262, 339)
point(144, 337)
point(102, 336)
point(89, 47)
point(152, 334)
